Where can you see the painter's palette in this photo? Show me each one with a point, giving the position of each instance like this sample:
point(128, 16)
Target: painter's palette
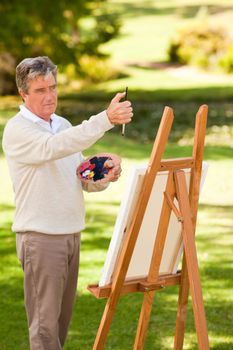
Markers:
point(98, 167)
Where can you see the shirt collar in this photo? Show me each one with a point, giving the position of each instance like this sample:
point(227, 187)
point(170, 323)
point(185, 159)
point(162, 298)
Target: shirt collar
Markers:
point(52, 127)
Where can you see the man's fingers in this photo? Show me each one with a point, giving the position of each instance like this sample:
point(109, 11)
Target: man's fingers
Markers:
point(115, 173)
point(122, 121)
point(119, 112)
point(125, 104)
point(124, 111)
point(118, 97)
point(109, 164)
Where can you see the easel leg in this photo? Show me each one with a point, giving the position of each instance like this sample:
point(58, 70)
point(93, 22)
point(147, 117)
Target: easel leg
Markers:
point(155, 265)
point(182, 308)
point(105, 323)
point(192, 262)
point(144, 320)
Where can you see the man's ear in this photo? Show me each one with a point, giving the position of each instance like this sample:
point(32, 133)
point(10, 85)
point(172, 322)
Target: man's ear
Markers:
point(22, 94)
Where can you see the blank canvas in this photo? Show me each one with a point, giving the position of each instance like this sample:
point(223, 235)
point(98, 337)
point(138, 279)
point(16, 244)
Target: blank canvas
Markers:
point(140, 261)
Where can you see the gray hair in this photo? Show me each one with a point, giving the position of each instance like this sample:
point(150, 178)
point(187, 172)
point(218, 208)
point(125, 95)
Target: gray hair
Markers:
point(30, 68)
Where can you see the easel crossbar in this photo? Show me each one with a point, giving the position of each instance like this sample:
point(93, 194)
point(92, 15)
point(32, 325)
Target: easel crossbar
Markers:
point(177, 163)
point(137, 285)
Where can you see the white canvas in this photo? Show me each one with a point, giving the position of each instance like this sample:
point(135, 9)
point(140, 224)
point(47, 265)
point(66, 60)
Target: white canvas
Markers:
point(140, 262)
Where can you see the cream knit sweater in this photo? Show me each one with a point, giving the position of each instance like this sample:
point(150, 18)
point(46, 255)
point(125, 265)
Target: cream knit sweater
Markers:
point(42, 165)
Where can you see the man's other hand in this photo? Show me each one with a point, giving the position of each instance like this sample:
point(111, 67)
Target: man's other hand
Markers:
point(120, 112)
point(114, 170)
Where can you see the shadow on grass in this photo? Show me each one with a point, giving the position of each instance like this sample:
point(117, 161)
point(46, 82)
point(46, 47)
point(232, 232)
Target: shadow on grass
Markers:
point(4, 206)
point(148, 109)
point(88, 310)
point(223, 346)
point(219, 273)
point(8, 250)
point(219, 317)
point(12, 314)
point(6, 235)
point(124, 325)
point(218, 210)
point(94, 242)
point(99, 220)
point(137, 151)
point(204, 94)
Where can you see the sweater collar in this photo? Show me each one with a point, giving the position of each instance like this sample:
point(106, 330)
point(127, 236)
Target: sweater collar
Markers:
point(52, 127)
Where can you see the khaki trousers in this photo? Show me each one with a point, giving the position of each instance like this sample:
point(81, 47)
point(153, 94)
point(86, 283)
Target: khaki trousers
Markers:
point(50, 264)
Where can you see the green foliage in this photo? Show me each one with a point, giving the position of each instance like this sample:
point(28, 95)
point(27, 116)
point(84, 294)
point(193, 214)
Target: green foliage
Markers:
point(201, 43)
point(62, 30)
point(226, 62)
point(96, 69)
point(198, 44)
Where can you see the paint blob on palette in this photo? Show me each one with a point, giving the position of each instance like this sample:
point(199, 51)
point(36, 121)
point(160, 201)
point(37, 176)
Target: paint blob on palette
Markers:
point(97, 168)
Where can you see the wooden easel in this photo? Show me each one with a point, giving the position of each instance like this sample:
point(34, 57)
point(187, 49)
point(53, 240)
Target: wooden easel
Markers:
point(188, 278)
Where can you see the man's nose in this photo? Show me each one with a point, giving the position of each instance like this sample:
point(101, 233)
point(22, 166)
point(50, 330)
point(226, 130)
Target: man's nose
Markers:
point(50, 95)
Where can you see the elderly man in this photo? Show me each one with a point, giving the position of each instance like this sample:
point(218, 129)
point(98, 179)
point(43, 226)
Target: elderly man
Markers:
point(43, 151)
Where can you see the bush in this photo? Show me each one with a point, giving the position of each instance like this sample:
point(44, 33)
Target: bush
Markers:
point(226, 62)
point(198, 44)
point(202, 44)
point(96, 69)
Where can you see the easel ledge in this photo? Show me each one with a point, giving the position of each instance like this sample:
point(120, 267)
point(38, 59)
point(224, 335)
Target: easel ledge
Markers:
point(139, 285)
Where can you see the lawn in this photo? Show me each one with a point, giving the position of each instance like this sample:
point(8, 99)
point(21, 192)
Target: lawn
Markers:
point(147, 28)
point(214, 243)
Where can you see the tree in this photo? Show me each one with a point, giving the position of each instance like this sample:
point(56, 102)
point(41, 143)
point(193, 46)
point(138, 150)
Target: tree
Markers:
point(63, 30)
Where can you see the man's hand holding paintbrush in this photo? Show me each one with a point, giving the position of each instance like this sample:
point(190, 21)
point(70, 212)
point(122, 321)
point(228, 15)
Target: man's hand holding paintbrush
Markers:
point(120, 112)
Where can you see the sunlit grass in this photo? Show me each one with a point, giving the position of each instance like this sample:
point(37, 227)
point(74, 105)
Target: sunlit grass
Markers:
point(214, 243)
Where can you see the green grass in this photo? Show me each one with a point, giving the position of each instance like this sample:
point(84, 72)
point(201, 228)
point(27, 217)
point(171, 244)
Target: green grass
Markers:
point(214, 243)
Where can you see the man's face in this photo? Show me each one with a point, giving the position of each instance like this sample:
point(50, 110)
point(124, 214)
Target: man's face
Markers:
point(41, 98)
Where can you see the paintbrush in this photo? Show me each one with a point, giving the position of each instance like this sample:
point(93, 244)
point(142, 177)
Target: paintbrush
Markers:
point(123, 125)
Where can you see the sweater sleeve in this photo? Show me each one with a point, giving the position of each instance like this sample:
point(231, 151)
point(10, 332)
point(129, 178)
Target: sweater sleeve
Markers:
point(28, 144)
